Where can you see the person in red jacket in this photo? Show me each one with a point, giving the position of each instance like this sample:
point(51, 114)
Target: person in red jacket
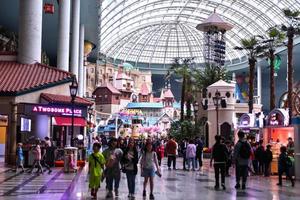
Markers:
point(160, 151)
point(171, 149)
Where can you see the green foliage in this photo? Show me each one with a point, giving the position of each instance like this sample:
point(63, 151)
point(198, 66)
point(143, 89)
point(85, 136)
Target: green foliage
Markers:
point(254, 47)
point(249, 43)
point(183, 67)
point(185, 129)
point(290, 13)
point(277, 35)
point(209, 75)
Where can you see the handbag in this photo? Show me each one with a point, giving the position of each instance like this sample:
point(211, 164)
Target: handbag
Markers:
point(104, 170)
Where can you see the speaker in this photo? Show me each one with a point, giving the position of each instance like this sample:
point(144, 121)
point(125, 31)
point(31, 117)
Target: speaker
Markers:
point(205, 104)
point(223, 103)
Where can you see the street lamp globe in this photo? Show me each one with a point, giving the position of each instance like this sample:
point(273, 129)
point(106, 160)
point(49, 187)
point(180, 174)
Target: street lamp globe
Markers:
point(73, 88)
point(90, 110)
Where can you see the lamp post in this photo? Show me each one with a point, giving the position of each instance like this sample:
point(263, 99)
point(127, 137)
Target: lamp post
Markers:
point(90, 112)
point(217, 99)
point(196, 109)
point(73, 93)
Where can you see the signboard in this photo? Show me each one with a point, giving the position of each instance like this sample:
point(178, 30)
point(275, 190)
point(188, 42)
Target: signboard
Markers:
point(130, 112)
point(55, 110)
point(247, 121)
point(278, 117)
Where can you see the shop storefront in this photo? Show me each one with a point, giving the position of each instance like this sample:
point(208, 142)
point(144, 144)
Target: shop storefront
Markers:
point(251, 125)
point(53, 118)
point(277, 133)
point(37, 108)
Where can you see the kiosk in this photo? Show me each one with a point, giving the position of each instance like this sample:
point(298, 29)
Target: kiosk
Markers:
point(276, 133)
point(250, 125)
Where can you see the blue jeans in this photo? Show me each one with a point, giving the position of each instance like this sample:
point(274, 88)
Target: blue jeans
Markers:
point(131, 181)
point(110, 179)
point(189, 160)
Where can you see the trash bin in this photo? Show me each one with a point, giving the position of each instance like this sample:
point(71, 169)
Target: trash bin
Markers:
point(70, 159)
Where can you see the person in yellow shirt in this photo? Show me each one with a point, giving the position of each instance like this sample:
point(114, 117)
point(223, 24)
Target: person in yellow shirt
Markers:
point(96, 165)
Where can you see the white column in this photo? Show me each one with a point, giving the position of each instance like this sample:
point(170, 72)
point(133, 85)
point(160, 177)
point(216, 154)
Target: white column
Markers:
point(75, 37)
point(233, 76)
point(259, 86)
point(63, 42)
point(99, 28)
point(84, 78)
point(30, 31)
point(81, 61)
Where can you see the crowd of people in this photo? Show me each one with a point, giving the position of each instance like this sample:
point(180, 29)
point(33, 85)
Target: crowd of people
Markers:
point(40, 152)
point(111, 157)
point(250, 158)
point(124, 155)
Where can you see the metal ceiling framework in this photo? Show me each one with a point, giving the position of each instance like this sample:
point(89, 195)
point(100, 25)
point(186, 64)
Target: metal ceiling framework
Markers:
point(156, 31)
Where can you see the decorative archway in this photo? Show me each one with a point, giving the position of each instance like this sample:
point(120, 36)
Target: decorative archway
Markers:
point(226, 130)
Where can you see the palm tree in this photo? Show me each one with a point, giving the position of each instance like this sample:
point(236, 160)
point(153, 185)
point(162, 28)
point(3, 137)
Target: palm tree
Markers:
point(182, 67)
point(275, 39)
point(291, 29)
point(254, 48)
point(209, 75)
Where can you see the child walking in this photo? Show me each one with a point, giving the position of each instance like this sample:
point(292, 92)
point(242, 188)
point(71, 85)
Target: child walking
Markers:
point(37, 157)
point(96, 165)
point(20, 157)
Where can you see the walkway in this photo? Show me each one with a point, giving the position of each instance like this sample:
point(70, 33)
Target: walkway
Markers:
point(174, 185)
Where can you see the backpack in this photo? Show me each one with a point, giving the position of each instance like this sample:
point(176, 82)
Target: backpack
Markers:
point(245, 150)
point(288, 162)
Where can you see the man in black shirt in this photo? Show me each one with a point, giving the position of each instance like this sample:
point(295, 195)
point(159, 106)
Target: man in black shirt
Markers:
point(183, 146)
point(219, 156)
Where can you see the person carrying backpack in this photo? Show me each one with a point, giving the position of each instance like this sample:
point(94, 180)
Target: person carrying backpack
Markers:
point(241, 156)
point(284, 165)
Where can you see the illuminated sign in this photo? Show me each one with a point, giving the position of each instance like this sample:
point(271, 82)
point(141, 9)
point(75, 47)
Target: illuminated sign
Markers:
point(54, 110)
point(57, 110)
point(247, 120)
point(278, 117)
point(130, 112)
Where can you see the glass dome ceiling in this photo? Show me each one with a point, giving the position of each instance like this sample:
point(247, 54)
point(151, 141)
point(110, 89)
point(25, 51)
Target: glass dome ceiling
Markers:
point(156, 31)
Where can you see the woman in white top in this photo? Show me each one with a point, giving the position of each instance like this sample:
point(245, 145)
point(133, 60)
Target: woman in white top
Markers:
point(149, 165)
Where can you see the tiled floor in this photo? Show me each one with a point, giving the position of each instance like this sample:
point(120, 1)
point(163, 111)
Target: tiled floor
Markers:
point(174, 185)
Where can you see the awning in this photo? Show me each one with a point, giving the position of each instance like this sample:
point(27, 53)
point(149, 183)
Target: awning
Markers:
point(67, 121)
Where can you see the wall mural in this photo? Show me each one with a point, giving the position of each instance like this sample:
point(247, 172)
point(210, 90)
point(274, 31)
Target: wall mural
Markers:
point(242, 87)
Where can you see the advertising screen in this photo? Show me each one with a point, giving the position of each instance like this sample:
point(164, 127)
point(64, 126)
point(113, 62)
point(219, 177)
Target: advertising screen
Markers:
point(25, 124)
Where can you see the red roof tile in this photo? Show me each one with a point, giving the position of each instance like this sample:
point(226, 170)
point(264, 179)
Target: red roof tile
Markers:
point(110, 87)
point(64, 99)
point(16, 78)
point(168, 94)
point(144, 89)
